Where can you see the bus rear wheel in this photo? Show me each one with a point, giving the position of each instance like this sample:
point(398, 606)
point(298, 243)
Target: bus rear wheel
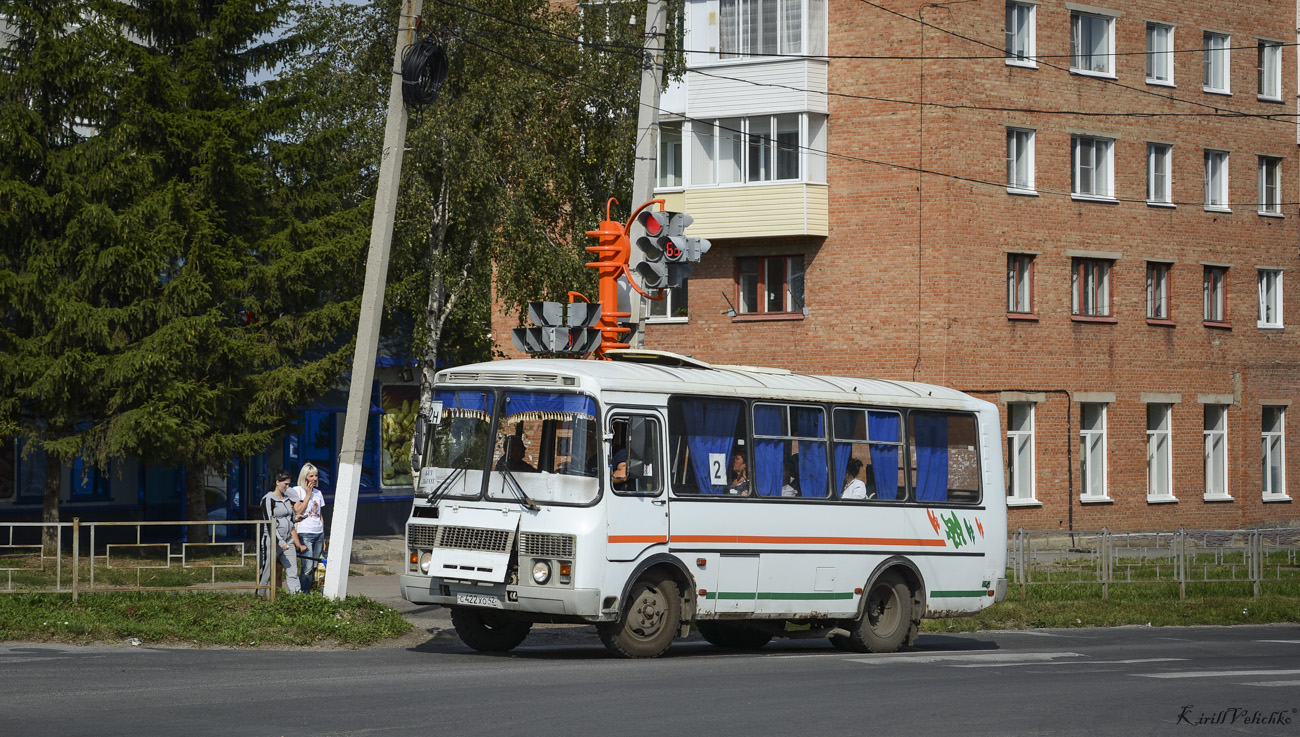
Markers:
point(488, 631)
point(648, 623)
point(733, 636)
point(887, 620)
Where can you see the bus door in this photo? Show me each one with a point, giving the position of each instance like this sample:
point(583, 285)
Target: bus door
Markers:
point(636, 499)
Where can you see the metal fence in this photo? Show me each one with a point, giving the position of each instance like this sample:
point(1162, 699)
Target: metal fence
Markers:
point(1111, 558)
point(87, 557)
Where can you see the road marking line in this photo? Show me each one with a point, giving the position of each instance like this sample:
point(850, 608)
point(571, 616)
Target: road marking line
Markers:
point(958, 658)
point(1219, 674)
point(1285, 642)
point(1271, 683)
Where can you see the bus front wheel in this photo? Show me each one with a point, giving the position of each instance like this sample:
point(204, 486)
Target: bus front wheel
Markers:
point(488, 631)
point(887, 620)
point(649, 621)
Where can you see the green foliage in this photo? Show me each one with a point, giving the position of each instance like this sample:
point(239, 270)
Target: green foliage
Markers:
point(197, 618)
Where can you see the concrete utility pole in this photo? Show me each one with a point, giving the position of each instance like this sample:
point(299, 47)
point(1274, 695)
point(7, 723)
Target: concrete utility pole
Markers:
point(372, 309)
point(647, 144)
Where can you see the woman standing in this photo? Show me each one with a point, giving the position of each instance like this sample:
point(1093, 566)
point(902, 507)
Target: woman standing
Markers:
point(311, 526)
point(279, 508)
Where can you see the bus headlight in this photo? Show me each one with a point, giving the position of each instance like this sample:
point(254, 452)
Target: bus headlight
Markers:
point(425, 559)
point(541, 572)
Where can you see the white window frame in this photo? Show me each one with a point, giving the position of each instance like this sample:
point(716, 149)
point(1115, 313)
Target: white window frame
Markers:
point(1270, 315)
point(1160, 453)
point(1020, 160)
point(1216, 451)
point(1214, 288)
point(1160, 181)
point(1092, 158)
point(1269, 66)
point(721, 145)
point(1158, 291)
point(1020, 283)
point(1160, 54)
point(1021, 477)
point(1216, 181)
point(1092, 455)
point(741, 27)
point(1021, 34)
point(1270, 186)
point(674, 299)
point(1216, 56)
point(668, 172)
point(1273, 453)
point(1100, 60)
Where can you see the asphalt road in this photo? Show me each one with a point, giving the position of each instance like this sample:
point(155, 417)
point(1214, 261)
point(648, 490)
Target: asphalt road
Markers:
point(1125, 681)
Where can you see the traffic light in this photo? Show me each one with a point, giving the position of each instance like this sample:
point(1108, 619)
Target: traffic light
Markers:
point(552, 335)
point(668, 251)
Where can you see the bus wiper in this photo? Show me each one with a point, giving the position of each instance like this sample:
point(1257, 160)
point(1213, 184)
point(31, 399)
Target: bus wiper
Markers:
point(446, 483)
point(513, 483)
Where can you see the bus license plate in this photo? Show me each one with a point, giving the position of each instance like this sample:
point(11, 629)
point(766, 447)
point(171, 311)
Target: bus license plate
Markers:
point(480, 600)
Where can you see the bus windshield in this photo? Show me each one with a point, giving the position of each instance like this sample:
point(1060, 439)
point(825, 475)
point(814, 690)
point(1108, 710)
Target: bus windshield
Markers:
point(458, 444)
point(548, 442)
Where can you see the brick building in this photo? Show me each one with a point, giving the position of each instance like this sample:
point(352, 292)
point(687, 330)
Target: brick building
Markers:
point(1082, 213)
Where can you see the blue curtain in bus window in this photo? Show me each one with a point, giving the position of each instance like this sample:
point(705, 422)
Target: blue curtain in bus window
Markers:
point(477, 401)
point(711, 427)
point(812, 453)
point(884, 458)
point(568, 404)
point(842, 453)
point(931, 457)
point(769, 453)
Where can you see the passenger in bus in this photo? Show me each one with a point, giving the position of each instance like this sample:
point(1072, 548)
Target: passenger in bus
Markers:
point(739, 480)
point(618, 471)
point(854, 488)
point(791, 485)
point(513, 458)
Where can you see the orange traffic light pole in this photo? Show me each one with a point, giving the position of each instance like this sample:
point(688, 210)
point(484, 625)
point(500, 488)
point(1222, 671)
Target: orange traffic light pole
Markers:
point(612, 250)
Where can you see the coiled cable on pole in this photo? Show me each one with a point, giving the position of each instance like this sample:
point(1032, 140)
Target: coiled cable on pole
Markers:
point(424, 69)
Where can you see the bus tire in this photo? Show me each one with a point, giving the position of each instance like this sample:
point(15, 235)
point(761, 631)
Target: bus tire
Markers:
point(733, 636)
point(648, 623)
point(887, 621)
point(489, 631)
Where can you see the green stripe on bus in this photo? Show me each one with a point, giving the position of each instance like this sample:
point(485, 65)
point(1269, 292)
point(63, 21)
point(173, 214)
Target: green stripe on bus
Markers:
point(958, 594)
point(796, 596)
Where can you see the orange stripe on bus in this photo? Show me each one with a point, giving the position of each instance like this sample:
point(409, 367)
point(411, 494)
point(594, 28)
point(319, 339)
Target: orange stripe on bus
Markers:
point(638, 539)
point(777, 540)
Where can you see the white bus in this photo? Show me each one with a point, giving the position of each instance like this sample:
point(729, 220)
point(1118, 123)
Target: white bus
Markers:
point(651, 492)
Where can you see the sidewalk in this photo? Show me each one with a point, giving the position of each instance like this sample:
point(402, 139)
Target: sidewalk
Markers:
point(379, 560)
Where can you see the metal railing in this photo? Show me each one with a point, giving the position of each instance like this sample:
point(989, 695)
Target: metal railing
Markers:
point(1109, 558)
point(91, 557)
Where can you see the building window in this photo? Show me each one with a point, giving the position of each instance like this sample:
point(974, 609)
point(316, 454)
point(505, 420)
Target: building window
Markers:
point(1159, 165)
point(758, 27)
point(1160, 54)
point(1091, 159)
point(1270, 70)
point(1020, 33)
point(1216, 450)
point(1092, 449)
point(756, 149)
point(1160, 467)
point(1216, 180)
point(1270, 185)
point(1217, 61)
point(673, 304)
point(1092, 43)
point(1020, 451)
point(1091, 288)
point(1020, 283)
point(1273, 434)
point(1270, 298)
point(1215, 291)
point(670, 155)
point(1158, 291)
point(1020, 159)
point(770, 285)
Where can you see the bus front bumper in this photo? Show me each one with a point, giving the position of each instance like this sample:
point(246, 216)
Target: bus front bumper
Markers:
point(546, 600)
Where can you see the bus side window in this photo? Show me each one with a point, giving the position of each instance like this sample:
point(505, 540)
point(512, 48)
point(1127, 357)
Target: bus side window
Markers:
point(635, 466)
point(944, 457)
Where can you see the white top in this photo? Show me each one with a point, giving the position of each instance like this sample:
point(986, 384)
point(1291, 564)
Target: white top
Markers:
point(855, 490)
point(311, 522)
